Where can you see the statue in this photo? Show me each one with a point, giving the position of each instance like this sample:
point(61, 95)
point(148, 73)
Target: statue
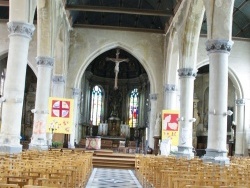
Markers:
point(117, 61)
point(114, 111)
point(233, 131)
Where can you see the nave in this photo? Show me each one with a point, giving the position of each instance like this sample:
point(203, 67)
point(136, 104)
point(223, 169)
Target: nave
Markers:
point(76, 169)
point(105, 177)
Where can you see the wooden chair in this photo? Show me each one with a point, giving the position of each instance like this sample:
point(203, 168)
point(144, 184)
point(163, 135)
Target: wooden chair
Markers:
point(237, 186)
point(5, 185)
point(37, 186)
point(57, 183)
point(19, 180)
point(198, 186)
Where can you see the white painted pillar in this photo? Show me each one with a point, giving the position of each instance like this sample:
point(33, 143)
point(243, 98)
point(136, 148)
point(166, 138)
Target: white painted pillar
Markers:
point(185, 147)
point(76, 96)
point(239, 140)
point(152, 119)
point(58, 88)
point(218, 52)
point(38, 140)
point(45, 64)
point(170, 97)
point(20, 36)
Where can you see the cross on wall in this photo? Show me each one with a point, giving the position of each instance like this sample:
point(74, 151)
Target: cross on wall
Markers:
point(117, 61)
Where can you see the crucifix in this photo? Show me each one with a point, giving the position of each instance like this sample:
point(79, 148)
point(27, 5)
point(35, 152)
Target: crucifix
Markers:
point(117, 61)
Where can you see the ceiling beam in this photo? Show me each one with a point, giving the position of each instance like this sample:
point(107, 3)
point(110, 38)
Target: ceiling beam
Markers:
point(118, 10)
point(118, 28)
point(4, 3)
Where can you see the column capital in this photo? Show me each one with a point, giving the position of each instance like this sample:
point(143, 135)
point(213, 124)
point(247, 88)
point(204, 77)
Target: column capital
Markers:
point(187, 72)
point(170, 87)
point(45, 61)
point(58, 79)
point(21, 29)
point(76, 92)
point(153, 96)
point(240, 102)
point(219, 45)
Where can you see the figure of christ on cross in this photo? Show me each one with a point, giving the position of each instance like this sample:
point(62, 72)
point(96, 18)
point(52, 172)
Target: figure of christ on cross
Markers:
point(117, 61)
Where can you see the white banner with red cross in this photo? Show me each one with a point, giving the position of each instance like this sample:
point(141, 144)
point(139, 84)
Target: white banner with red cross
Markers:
point(60, 118)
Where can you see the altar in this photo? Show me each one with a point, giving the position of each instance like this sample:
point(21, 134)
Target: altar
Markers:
point(111, 142)
point(93, 142)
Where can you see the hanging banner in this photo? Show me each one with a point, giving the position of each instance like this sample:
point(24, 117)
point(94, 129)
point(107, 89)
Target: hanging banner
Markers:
point(170, 126)
point(60, 118)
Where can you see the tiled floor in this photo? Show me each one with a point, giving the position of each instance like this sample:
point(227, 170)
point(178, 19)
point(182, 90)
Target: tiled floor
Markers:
point(107, 178)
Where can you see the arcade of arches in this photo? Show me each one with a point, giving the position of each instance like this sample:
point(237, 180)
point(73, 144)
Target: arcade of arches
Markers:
point(205, 76)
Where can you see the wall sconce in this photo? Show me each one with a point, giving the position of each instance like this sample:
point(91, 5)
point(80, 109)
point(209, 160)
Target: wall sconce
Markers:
point(2, 99)
point(18, 100)
point(44, 112)
point(33, 111)
point(229, 113)
point(213, 112)
point(192, 120)
point(180, 119)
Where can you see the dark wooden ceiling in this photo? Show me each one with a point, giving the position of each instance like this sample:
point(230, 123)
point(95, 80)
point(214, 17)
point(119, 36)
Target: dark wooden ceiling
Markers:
point(133, 15)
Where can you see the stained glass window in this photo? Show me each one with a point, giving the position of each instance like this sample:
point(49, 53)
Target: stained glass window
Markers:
point(133, 108)
point(96, 105)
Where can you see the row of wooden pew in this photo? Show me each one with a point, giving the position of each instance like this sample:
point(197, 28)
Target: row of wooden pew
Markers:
point(56, 168)
point(171, 172)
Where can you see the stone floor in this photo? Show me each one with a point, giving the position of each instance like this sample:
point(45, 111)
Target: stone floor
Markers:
point(104, 177)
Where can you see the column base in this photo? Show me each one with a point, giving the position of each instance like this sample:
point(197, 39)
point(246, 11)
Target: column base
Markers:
point(215, 156)
point(238, 155)
point(184, 151)
point(38, 144)
point(11, 149)
point(38, 147)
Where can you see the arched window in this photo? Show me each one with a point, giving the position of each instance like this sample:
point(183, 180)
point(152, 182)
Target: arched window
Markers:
point(133, 108)
point(96, 105)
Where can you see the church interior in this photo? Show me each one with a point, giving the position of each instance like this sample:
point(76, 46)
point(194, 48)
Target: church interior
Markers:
point(119, 70)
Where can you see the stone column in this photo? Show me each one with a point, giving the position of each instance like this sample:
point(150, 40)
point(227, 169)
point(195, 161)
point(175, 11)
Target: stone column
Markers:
point(45, 64)
point(38, 140)
point(239, 140)
point(58, 86)
point(153, 103)
point(170, 96)
point(20, 36)
point(185, 147)
point(218, 52)
point(76, 96)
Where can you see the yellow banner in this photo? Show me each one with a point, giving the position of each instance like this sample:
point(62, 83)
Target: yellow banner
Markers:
point(170, 126)
point(60, 118)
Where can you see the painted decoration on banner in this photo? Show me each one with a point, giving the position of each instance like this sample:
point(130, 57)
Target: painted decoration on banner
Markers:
point(60, 108)
point(170, 126)
point(60, 118)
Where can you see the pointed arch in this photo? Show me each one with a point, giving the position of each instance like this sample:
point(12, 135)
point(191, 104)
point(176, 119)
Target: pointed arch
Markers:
point(102, 49)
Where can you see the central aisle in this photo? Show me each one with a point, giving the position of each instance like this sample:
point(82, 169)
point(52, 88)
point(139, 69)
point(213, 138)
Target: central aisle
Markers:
point(105, 177)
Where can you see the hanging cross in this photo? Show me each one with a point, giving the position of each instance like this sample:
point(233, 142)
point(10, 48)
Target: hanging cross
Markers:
point(117, 61)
